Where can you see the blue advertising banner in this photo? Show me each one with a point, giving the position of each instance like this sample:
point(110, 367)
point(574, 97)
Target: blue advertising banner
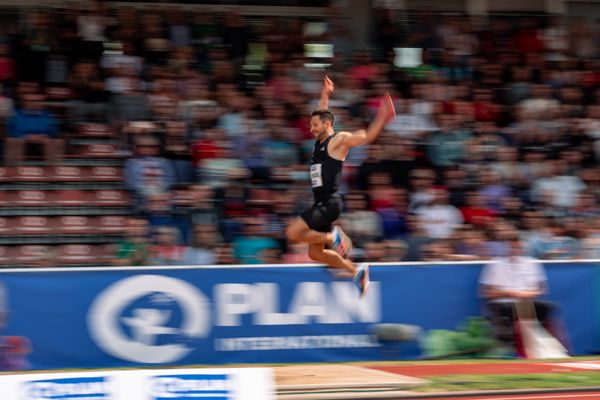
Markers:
point(166, 316)
point(571, 287)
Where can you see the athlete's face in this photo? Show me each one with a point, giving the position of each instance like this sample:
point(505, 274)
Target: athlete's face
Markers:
point(318, 127)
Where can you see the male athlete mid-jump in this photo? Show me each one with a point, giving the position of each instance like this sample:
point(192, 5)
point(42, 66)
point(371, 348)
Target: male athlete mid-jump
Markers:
point(328, 244)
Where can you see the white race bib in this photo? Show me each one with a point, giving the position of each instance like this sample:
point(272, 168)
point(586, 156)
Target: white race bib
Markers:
point(315, 175)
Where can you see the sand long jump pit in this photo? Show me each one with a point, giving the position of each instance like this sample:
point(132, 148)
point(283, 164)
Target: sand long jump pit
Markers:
point(339, 381)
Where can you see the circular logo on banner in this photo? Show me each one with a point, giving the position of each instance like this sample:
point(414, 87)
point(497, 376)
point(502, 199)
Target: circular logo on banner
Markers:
point(149, 319)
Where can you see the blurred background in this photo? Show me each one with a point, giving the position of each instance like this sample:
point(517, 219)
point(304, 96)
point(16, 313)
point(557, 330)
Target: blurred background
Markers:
point(146, 133)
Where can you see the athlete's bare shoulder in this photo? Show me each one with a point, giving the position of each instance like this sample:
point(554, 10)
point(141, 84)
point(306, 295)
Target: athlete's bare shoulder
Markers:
point(340, 138)
point(337, 145)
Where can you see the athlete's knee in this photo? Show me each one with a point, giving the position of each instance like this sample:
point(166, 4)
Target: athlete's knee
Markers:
point(316, 254)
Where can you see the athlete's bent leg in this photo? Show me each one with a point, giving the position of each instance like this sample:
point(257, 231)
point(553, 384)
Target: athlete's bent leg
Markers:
point(299, 231)
point(318, 253)
point(360, 273)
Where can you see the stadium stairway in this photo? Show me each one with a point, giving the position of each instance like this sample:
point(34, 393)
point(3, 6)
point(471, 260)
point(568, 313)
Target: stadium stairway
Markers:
point(70, 214)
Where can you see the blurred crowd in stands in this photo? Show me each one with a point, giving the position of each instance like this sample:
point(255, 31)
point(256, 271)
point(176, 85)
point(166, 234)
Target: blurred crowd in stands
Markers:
point(497, 129)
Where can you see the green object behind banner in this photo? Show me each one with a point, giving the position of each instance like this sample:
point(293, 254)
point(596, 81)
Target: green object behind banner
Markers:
point(473, 338)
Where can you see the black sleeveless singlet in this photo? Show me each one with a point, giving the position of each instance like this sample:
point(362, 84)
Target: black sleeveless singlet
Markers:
point(325, 171)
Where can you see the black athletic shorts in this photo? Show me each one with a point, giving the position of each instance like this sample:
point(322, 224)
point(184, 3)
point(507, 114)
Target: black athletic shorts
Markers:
point(322, 214)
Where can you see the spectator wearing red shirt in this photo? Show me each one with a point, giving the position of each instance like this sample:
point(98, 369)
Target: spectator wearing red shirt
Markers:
point(207, 146)
point(475, 211)
point(484, 107)
point(7, 64)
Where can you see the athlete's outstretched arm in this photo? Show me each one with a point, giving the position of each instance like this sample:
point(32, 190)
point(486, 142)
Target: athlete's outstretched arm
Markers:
point(326, 91)
point(360, 137)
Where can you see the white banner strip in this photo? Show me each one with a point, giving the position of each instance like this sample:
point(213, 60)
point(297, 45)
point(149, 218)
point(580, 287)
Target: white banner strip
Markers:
point(159, 384)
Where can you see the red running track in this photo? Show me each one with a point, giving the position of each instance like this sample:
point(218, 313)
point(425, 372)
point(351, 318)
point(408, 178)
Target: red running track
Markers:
point(478, 368)
point(538, 396)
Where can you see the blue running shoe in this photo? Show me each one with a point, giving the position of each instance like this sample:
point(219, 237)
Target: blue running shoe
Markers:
point(361, 278)
point(341, 242)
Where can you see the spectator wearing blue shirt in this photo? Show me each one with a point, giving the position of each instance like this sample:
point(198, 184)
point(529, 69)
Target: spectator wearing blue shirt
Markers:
point(33, 123)
point(202, 251)
point(554, 244)
point(249, 247)
point(147, 172)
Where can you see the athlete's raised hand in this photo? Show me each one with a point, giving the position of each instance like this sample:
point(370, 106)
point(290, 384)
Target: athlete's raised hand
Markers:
point(328, 86)
point(386, 109)
point(326, 91)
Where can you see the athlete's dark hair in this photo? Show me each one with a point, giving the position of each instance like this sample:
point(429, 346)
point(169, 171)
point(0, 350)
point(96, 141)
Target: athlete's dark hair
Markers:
point(324, 115)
